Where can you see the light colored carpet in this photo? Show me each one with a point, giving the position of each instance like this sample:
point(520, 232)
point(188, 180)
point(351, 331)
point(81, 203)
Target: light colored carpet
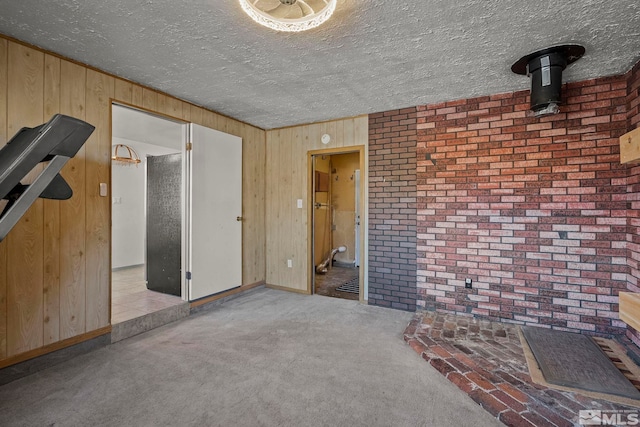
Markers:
point(269, 358)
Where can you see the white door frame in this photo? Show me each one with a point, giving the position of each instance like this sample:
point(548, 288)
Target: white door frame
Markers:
point(358, 255)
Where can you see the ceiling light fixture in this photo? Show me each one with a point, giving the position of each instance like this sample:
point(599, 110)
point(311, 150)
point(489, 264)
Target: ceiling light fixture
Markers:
point(289, 15)
point(125, 155)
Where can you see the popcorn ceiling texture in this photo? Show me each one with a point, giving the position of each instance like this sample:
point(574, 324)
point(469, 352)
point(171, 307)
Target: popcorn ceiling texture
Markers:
point(373, 55)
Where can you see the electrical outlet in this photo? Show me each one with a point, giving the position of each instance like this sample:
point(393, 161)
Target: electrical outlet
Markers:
point(468, 283)
point(290, 263)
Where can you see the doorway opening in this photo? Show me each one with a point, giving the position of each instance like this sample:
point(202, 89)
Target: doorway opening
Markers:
point(336, 206)
point(147, 213)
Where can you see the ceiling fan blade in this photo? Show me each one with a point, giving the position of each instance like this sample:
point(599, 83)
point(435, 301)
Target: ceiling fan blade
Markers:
point(306, 9)
point(267, 5)
point(286, 12)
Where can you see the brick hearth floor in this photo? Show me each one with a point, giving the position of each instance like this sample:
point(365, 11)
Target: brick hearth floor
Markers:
point(485, 360)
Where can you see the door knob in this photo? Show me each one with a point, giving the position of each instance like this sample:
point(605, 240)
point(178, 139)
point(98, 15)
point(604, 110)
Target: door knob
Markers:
point(239, 218)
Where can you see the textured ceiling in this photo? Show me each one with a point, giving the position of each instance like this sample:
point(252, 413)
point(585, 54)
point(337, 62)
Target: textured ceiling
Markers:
point(373, 55)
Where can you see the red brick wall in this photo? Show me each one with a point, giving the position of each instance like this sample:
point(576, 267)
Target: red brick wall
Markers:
point(392, 209)
point(633, 97)
point(533, 210)
point(633, 193)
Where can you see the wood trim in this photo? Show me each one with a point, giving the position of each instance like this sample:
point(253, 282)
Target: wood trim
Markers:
point(155, 113)
point(284, 288)
point(54, 347)
point(90, 67)
point(364, 225)
point(629, 309)
point(337, 150)
point(360, 149)
point(630, 146)
point(320, 122)
point(310, 223)
point(206, 300)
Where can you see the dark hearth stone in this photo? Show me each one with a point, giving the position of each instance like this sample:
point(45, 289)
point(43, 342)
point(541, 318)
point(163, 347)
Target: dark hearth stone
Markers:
point(573, 360)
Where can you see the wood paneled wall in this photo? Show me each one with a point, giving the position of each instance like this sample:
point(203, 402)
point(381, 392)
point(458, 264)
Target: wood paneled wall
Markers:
point(287, 181)
point(55, 264)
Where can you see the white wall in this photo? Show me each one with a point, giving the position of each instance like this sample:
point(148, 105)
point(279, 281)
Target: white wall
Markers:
point(128, 199)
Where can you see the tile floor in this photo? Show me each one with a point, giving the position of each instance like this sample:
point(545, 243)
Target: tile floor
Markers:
point(326, 284)
point(130, 297)
point(485, 360)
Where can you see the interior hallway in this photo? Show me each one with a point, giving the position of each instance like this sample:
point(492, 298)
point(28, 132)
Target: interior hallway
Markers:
point(265, 358)
point(130, 297)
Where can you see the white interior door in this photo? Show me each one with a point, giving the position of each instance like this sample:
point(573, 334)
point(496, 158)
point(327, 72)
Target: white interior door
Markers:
point(357, 224)
point(215, 211)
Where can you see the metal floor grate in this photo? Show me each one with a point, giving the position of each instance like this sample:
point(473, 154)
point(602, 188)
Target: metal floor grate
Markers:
point(352, 286)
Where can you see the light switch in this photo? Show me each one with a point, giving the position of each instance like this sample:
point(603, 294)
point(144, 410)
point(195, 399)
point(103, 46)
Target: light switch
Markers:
point(299, 203)
point(103, 189)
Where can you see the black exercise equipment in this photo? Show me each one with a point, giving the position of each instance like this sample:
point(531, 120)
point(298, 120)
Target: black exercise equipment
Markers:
point(54, 142)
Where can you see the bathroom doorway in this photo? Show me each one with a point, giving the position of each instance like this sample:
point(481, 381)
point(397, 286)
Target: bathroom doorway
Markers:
point(336, 206)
